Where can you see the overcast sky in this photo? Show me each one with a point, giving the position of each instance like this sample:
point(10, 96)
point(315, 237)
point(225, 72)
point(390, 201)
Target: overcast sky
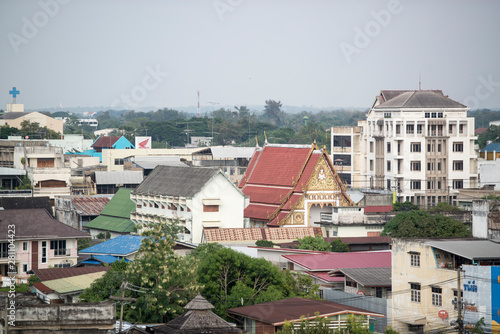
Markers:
point(242, 52)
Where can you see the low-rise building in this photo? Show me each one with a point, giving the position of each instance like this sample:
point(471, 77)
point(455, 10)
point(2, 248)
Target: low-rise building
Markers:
point(196, 197)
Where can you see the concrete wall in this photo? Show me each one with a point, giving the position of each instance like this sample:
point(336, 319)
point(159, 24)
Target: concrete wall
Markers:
point(65, 318)
point(65, 212)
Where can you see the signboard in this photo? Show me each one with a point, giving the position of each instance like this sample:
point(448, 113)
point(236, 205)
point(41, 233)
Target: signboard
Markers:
point(142, 142)
point(443, 314)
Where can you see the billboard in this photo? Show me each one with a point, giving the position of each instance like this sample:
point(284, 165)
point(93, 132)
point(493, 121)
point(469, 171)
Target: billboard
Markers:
point(142, 142)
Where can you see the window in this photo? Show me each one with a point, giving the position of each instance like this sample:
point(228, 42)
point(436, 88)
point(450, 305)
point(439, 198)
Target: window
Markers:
point(62, 265)
point(25, 268)
point(387, 115)
point(410, 128)
point(388, 147)
point(458, 184)
point(458, 147)
point(371, 147)
point(118, 162)
point(427, 115)
point(415, 259)
point(44, 251)
point(461, 128)
point(415, 185)
point(388, 166)
point(415, 165)
point(439, 147)
point(351, 283)
point(440, 115)
point(342, 159)
point(398, 129)
point(210, 208)
point(415, 147)
point(433, 115)
point(439, 185)
point(25, 245)
point(430, 184)
point(439, 166)
point(342, 141)
point(389, 184)
point(378, 292)
point(458, 165)
point(371, 165)
point(415, 292)
point(59, 247)
point(419, 128)
point(437, 297)
point(4, 250)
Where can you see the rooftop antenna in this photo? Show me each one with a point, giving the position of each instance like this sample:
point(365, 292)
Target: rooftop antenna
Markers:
point(198, 113)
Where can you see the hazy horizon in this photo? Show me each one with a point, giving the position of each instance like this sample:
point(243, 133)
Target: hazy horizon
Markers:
point(318, 54)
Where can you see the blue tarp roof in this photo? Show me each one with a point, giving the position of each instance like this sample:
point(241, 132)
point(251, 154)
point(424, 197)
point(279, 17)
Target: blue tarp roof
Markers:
point(121, 245)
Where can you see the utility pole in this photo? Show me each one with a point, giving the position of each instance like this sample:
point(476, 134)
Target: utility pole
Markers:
point(460, 320)
point(122, 300)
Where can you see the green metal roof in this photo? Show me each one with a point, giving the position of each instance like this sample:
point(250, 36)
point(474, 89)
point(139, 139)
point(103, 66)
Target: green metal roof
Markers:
point(113, 224)
point(74, 283)
point(120, 205)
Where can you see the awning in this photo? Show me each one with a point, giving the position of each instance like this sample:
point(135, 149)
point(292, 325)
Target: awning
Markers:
point(412, 319)
point(211, 223)
point(212, 201)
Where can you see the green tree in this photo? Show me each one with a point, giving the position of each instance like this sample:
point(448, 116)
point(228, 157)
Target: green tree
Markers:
point(354, 325)
point(102, 288)
point(169, 279)
point(421, 224)
point(338, 246)
point(316, 243)
point(264, 243)
point(33, 279)
point(273, 112)
point(405, 206)
point(444, 207)
point(84, 243)
point(318, 326)
point(6, 131)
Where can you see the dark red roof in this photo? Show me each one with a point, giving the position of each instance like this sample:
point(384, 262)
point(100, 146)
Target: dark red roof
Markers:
point(105, 142)
point(324, 276)
point(260, 212)
point(479, 131)
point(331, 261)
point(260, 194)
point(42, 287)
point(56, 273)
point(292, 309)
point(378, 208)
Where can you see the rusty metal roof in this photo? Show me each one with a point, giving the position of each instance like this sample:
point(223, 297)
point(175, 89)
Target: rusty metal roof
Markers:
point(57, 273)
point(90, 206)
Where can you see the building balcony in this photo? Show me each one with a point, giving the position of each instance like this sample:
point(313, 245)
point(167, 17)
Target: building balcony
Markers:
point(61, 252)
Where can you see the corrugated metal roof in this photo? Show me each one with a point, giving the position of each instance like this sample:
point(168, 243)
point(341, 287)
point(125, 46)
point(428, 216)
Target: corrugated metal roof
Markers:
point(150, 162)
point(121, 245)
point(116, 177)
point(74, 283)
point(109, 223)
point(332, 261)
point(12, 171)
point(378, 208)
point(90, 206)
point(355, 195)
point(56, 273)
point(469, 249)
point(176, 181)
point(230, 152)
point(368, 277)
point(120, 205)
point(492, 147)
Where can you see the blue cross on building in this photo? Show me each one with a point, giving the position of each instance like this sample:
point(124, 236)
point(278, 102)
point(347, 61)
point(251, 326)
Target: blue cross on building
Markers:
point(14, 92)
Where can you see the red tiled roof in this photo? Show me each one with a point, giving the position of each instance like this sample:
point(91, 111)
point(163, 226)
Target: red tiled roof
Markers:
point(331, 261)
point(479, 131)
point(105, 141)
point(42, 287)
point(260, 212)
point(254, 234)
point(260, 194)
point(56, 273)
point(306, 174)
point(292, 309)
point(378, 208)
point(90, 206)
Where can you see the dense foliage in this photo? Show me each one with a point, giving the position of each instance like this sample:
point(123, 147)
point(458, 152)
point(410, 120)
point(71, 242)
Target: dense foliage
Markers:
point(318, 243)
point(264, 243)
point(422, 224)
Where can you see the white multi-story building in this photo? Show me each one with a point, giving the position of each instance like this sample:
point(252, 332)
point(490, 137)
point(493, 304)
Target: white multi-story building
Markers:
point(419, 144)
point(199, 198)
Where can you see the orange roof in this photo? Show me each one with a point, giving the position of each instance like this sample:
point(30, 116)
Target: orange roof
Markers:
point(254, 234)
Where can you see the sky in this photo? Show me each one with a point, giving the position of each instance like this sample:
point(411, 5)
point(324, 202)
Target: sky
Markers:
point(310, 53)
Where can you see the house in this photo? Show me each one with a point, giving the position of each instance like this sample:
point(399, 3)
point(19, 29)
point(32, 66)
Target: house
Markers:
point(374, 282)
point(319, 266)
point(76, 211)
point(114, 217)
point(11, 178)
point(197, 197)
point(198, 319)
point(7, 147)
point(123, 247)
point(271, 316)
point(64, 285)
point(40, 242)
point(110, 182)
point(418, 144)
point(15, 118)
point(105, 142)
point(45, 168)
point(292, 186)
point(427, 276)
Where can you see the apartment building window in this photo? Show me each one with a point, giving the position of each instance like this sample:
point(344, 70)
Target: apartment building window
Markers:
point(415, 166)
point(430, 185)
point(398, 129)
point(388, 147)
point(342, 141)
point(415, 185)
point(433, 115)
point(389, 184)
point(419, 128)
point(439, 185)
point(430, 166)
point(59, 247)
point(371, 165)
point(437, 296)
point(439, 147)
point(210, 208)
point(25, 268)
point(415, 292)
point(461, 128)
point(410, 128)
point(371, 147)
point(427, 115)
point(387, 115)
point(458, 184)
point(25, 246)
point(458, 165)
point(415, 259)
point(388, 166)
point(415, 147)
point(458, 147)
point(118, 162)
point(439, 166)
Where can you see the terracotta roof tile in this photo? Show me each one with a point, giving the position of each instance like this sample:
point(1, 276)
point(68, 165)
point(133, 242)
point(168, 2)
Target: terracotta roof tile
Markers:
point(254, 234)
